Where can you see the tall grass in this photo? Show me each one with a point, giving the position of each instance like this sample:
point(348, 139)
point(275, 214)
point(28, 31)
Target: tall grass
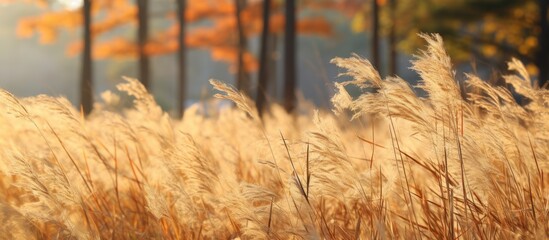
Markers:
point(466, 162)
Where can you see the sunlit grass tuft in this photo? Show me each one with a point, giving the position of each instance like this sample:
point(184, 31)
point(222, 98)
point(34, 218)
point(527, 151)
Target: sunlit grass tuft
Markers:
point(466, 161)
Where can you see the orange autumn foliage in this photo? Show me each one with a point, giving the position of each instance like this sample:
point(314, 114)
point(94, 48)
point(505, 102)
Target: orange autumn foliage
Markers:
point(308, 26)
point(346, 7)
point(117, 16)
point(47, 25)
point(40, 3)
point(198, 10)
point(219, 37)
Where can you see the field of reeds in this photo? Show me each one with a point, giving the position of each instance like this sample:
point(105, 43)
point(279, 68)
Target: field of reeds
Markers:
point(465, 162)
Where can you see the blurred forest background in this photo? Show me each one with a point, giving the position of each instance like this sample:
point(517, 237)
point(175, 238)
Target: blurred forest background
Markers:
point(274, 50)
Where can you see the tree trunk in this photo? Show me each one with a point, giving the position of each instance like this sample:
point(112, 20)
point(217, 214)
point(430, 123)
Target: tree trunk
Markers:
point(86, 84)
point(543, 47)
point(264, 59)
point(142, 35)
point(181, 8)
point(392, 40)
point(242, 78)
point(273, 73)
point(375, 35)
point(290, 57)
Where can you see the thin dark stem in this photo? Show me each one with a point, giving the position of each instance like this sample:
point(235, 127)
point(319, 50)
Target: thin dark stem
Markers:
point(290, 57)
point(242, 78)
point(142, 35)
point(181, 8)
point(393, 57)
point(375, 35)
point(543, 40)
point(86, 87)
point(263, 59)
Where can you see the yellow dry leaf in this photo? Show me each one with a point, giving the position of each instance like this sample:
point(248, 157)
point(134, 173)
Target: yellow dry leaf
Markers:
point(489, 50)
point(357, 24)
point(523, 49)
point(531, 41)
point(490, 26)
point(532, 69)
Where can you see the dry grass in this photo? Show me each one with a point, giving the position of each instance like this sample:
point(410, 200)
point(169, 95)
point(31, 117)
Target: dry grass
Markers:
point(465, 162)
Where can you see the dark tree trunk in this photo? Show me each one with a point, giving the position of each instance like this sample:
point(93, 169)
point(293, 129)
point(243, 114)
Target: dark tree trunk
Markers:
point(86, 85)
point(242, 78)
point(543, 48)
point(392, 40)
point(181, 8)
point(375, 35)
point(264, 59)
point(272, 73)
point(290, 57)
point(142, 35)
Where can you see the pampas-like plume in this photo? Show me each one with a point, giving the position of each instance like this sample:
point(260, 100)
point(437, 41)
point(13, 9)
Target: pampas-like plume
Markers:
point(459, 163)
point(242, 101)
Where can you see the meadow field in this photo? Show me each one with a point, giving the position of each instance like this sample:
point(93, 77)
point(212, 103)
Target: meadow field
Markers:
point(464, 162)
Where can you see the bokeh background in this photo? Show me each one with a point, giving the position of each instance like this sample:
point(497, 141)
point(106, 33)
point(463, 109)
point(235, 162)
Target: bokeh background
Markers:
point(41, 42)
